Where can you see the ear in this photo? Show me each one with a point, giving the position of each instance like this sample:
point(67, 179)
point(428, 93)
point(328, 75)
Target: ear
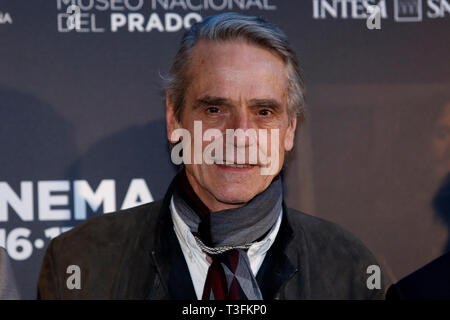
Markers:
point(290, 135)
point(171, 121)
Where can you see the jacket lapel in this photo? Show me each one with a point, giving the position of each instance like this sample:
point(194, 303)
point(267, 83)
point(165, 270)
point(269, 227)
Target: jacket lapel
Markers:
point(277, 267)
point(153, 266)
point(168, 259)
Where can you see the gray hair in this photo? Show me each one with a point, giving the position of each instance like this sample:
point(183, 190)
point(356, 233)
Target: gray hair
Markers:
point(230, 26)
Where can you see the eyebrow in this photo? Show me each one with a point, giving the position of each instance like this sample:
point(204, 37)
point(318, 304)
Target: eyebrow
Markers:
point(266, 103)
point(220, 101)
point(211, 101)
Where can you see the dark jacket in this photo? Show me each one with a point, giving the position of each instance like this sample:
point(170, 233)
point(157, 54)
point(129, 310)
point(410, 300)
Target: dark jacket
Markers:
point(134, 254)
point(8, 288)
point(431, 282)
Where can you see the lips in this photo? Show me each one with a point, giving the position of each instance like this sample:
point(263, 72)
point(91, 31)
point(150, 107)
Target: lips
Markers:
point(232, 165)
point(235, 166)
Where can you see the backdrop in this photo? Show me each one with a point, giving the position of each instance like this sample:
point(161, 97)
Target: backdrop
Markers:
point(82, 127)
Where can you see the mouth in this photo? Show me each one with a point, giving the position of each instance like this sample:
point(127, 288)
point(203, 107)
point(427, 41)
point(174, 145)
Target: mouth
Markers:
point(235, 167)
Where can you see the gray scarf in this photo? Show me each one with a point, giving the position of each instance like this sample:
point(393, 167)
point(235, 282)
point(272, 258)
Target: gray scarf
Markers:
point(219, 233)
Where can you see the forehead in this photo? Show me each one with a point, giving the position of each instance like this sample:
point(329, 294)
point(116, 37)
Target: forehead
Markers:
point(236, 68)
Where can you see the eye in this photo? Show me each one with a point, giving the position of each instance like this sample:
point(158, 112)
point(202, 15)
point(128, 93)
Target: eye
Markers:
point(212, 110)
point(264, 112)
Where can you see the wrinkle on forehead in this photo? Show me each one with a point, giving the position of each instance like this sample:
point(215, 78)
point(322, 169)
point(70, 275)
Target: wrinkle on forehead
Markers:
point(232, 74)
point(240, 56)
point(237, 66)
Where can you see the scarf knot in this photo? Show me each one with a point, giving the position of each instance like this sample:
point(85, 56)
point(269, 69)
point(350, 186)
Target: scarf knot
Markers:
point(226, 235)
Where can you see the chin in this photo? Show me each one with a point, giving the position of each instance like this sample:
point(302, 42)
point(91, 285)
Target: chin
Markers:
point(235, 196)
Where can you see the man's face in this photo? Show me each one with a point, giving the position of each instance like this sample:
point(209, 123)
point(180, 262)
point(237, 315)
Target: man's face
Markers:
point(234, 85)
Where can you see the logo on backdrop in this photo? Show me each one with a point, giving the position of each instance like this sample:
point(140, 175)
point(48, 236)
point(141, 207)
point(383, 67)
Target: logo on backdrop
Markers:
point(399, 10)
point(63, 201)
point(142, 16)
point(408, 10)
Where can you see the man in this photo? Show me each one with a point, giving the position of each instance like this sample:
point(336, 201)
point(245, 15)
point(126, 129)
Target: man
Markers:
point(432, 281)
point(222, 231)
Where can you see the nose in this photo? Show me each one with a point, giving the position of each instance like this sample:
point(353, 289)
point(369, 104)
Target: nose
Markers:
point(240, 119)
point(243, 126)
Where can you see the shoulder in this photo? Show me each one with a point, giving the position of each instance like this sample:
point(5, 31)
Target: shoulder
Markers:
point(334, 260)
point(429, 282)
point(325, 235)
point(100, 247)
point(110, 230)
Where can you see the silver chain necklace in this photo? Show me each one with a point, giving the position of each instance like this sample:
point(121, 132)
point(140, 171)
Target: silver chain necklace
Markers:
point(219, 250)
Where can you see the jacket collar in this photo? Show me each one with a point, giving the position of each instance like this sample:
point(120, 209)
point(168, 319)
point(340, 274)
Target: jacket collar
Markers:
point(168, 259)
point(278, 267)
